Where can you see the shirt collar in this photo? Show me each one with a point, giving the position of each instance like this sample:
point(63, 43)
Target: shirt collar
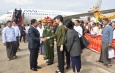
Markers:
point(33, 26)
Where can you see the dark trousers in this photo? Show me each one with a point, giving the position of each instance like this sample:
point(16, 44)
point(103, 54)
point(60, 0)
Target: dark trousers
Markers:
point(33, 58)
point(60, 59)
point(67, 56)
point(104, 54)
point(17, 41)
point(11, 49)
point(76, 62)
point(24, 39)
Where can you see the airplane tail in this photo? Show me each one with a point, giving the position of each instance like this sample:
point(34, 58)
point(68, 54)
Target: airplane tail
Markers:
point(98, 3)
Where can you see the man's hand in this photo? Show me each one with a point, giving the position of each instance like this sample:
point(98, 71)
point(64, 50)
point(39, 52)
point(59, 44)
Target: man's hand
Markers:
point(43, 39)
point(47, 37)
point(4, 44)
point(109, 45)
point(51, 45)
point(61, 48)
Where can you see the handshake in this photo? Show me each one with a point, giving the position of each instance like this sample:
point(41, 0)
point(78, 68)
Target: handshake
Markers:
point(45, 38)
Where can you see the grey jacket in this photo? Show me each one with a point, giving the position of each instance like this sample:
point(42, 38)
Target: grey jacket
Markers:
point(72, 43)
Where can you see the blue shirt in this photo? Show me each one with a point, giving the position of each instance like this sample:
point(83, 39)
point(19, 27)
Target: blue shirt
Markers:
point(8, 34)
point(107, 34)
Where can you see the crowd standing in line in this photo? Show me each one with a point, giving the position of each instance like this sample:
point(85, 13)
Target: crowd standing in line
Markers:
point(41, 35)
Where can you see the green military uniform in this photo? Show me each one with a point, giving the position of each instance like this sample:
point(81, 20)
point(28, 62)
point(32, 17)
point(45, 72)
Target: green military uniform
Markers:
point(45, 42)
point(50, 44)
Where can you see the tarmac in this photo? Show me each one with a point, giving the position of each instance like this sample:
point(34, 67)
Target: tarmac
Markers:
point(21, 63)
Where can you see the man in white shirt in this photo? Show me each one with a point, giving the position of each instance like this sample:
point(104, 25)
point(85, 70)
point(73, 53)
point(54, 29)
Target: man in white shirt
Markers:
point(17, 32)
point(78, 28)
point(9, 40)
point(94, 29)
point(40, 28)
point(27, 28)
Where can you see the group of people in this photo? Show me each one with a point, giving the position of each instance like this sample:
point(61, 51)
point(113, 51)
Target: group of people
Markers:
point(10, 37)
point(42, 34)
point(41, 37)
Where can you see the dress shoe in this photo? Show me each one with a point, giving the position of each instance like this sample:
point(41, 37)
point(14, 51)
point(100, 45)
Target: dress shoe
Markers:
point(9, 59)
point(67, 67)
point(45, 58)
point(50, 63)
point(14, 56)
point(47, 62)
point(18, 49)
point(34, 69)
point(38, 67)
point(57, 71)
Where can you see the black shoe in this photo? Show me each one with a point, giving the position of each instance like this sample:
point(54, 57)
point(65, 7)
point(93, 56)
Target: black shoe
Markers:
point(15, 56)
point(47, 62)
point(34, 69)
point(57, 71)
point(67, 67)
point(18, 49)
point(50, 63)
point(38, 67)
point(45, 58)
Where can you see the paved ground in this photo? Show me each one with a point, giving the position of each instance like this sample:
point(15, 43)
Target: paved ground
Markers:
point(21, 64)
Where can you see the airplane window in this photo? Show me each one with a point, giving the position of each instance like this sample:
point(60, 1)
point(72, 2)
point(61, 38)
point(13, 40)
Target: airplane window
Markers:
point(9, 12)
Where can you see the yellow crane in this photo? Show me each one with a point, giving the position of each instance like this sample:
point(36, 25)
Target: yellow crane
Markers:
point(98, 14)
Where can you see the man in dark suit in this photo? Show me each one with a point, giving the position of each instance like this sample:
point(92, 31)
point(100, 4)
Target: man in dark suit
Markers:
point(33, 45)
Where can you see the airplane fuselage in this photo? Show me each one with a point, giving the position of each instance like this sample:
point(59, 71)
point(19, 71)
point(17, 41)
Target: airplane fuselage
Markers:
point(28, 14)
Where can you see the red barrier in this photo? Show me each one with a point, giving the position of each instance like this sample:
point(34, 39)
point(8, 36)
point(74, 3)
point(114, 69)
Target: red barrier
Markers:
point(96, 42)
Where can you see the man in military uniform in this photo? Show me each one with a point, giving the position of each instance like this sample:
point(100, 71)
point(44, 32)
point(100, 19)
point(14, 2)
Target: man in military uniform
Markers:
point(44, 23)
point(50, 42)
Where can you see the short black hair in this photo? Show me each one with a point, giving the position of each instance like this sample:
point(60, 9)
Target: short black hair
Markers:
point(113, 21)
point(54, 18)
point(106, 19)
point(94, 23)
point(69, 24)
point(82, 21)
point(27, 24)
point(33, 21)
point(77, 21)
point(59, 17)
point(9, 21)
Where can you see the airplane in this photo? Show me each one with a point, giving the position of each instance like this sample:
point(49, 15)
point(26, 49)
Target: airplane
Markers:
point(28, 14)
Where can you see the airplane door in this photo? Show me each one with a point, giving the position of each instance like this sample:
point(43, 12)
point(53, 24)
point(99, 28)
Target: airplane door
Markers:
point(18, 17)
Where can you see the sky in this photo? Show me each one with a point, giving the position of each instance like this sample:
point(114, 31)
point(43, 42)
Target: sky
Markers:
point(58, 5)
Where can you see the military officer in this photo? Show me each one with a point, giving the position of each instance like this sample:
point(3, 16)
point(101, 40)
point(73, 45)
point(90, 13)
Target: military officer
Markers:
point(50, 42)
point(44, 23)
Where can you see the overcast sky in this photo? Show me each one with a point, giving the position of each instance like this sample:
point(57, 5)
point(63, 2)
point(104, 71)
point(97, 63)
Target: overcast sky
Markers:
point(60, 5)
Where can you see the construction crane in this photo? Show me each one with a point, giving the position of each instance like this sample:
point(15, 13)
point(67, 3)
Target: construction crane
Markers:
point(99, 15)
